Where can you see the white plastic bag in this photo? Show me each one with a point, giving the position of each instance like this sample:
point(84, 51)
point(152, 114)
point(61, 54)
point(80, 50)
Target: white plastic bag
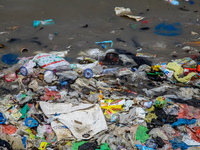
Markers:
point(49, 61)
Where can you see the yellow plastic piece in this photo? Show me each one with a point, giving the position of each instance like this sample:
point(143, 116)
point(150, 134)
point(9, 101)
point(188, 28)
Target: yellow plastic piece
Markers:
point(150, 109)
point(43, 145)
point(150, 116)
point(30, 134)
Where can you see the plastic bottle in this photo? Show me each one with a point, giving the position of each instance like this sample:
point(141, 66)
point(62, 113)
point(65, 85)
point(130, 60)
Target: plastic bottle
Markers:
point(13, 68)
point(67, 75)
point(110, 70)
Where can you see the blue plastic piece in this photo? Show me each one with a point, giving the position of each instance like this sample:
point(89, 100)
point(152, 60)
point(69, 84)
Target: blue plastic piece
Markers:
point(10, 59)
point(174, 2)
point(182, 121)
point(88, 73)
point(151, 143)
point(63, 83)
point(30, 122)
point(24, 141)
point(168, 29)
point(141, 147)
point(105, 42)
point(176, 144)
point(37, 23)
point(2, 119)
point(191, 2)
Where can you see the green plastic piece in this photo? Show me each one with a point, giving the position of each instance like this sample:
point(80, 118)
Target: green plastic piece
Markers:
point(141, 134)
point(104, 146)
point(133, 26)
point(156, 73)
point(24, 111)
point(77, 144)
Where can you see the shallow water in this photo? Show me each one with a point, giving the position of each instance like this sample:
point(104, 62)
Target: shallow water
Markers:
point(70, 17)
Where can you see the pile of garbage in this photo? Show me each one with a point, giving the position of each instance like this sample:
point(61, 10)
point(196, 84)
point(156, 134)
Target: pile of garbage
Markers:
point(111, 99)
point(99, 103)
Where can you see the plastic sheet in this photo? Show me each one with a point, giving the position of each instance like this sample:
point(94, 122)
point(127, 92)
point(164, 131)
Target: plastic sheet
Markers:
point(89, 122)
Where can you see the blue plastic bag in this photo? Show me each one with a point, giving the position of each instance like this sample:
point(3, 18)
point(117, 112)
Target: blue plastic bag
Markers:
point(10, 59)
point(141, 147)
point(168, 29)
point(182, 121)
point(176, 144)
point(2, 119)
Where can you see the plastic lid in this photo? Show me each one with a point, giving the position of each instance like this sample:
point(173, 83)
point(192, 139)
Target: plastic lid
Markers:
point(23, 71)
point(88, 73)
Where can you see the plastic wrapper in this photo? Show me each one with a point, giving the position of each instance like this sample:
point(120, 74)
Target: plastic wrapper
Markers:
point(121, 11)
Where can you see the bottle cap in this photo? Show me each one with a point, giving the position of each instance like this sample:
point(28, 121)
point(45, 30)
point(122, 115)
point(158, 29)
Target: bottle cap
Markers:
point(88, 73)
point(23, 71)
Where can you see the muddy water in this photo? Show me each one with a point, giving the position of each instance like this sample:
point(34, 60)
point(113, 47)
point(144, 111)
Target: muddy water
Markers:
point(71, 15)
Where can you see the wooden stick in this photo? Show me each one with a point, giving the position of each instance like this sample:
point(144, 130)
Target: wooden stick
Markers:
point(126, 140)
point(32, 115)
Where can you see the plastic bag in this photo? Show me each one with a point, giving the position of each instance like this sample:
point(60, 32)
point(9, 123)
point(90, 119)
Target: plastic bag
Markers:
point(141, 134)
point(49, 61)
point(10, 59)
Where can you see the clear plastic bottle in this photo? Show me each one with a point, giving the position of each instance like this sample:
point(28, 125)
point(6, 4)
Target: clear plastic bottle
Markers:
point(110, 70)
point(66, 67)
point(13, 68)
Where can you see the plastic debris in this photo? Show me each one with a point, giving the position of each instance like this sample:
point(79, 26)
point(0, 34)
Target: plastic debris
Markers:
point(121, 11)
